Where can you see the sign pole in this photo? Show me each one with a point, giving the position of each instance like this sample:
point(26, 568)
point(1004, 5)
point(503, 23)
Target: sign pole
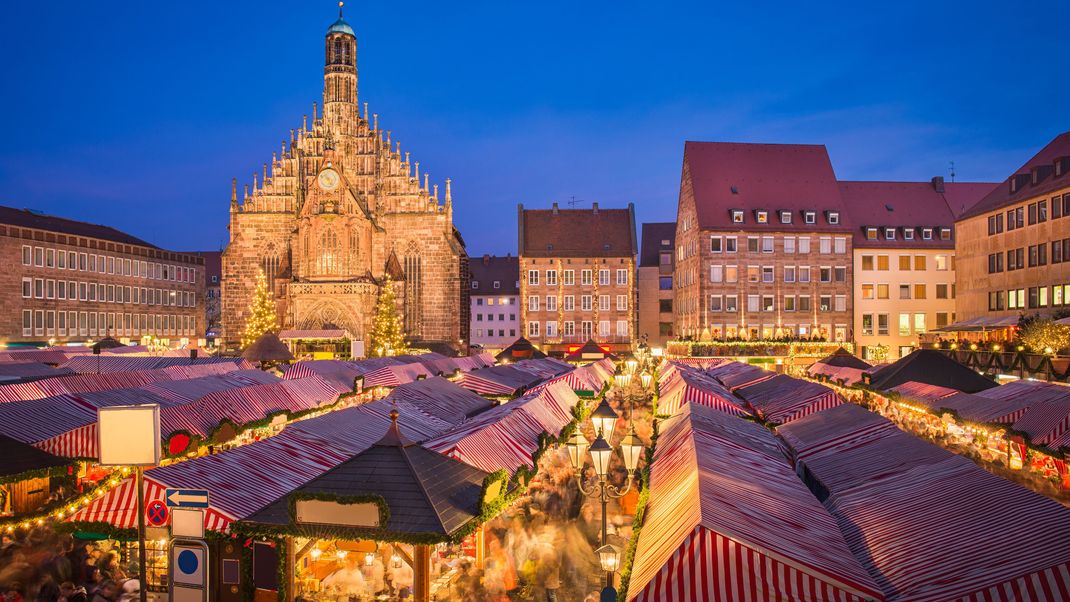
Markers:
point(142, 569)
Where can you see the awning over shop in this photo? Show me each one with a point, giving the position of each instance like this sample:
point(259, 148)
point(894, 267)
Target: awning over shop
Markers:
point(329, 334)
point(729, 521)
point(979, 324)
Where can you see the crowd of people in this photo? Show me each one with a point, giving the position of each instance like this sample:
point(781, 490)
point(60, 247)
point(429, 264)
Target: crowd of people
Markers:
point(44, 566)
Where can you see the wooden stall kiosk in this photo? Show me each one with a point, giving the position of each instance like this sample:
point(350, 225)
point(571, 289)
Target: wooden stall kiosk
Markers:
point(370, 527)
point(25, 475)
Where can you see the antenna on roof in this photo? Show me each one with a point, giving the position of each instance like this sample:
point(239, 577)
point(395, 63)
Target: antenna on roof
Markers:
point(951, 170)
point(572, 202)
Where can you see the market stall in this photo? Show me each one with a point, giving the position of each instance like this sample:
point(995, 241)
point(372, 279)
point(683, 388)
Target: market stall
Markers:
point(929, 367)
point(841, 367)
point(687, 385)
point(782, 398)
point(728, 521)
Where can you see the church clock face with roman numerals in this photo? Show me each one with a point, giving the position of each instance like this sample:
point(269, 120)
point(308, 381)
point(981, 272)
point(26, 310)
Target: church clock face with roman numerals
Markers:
point(328, 179)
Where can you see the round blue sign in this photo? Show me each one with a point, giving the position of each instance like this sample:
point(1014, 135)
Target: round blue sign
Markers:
point(187, 562)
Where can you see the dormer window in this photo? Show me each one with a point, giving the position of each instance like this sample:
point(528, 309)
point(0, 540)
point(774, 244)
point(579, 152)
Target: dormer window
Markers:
point(475, 284)
point(926, 233)
point(737, 216)
point(945, 233)
point(762, 217)
point(889, 233)
point(497, 284)
point(833, 217)
point(908, 233)
point(809, 217)
point(871, 234)
point(785, 217)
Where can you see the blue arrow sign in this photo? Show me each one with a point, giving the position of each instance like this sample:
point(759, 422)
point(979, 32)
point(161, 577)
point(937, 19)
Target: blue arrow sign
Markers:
point(186, 498)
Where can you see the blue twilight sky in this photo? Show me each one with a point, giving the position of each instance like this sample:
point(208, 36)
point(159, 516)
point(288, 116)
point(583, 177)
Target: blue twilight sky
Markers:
point(137, 114)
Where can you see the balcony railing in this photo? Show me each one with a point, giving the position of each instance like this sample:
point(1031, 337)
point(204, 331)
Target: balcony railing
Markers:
point(1014, 363)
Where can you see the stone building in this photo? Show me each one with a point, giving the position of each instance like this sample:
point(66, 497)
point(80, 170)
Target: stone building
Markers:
point(904, 259)
point(655, 283)
point(495, 301)
point(763, 244)
point(339, 209)
point(1013, 247)
point(577, 277)
point(68, 281)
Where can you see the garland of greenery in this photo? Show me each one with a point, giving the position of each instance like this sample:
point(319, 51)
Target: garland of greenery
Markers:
point(640, 515)
point(37, 473)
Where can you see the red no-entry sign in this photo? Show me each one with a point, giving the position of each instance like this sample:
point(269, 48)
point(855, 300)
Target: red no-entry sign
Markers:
point(156, 513)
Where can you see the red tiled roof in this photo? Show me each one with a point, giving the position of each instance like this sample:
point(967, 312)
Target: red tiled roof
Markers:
point(1044, 160)
point(596, 232)
point(772, 177)
point(651, 246)
point(907, 205)
point(32, 219)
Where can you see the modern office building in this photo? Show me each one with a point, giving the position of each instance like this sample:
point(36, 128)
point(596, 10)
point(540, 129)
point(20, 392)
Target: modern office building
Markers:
point(1013, 247)
point(655, 283)
point(577, 277)
point(494, 301)
point(904, 259)
point(70, 281)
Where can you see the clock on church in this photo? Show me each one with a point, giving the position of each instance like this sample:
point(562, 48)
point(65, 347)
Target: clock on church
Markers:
point(328, 179)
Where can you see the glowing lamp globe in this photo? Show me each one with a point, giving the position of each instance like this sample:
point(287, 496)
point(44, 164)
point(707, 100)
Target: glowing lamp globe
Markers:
point(369, 558)
point(630, 449)
point(577, 446)
point(645, 379)
point(631, 365)
point(601, 452)
point(623, 380)
point(604, 420)
point(609, 558)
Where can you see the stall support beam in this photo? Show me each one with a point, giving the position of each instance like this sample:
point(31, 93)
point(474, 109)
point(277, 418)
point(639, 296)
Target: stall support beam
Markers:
point(422, 573)
point(291, 568)
point(481, 546)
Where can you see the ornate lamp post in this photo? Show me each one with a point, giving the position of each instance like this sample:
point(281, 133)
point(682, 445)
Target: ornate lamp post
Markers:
point(604, 420)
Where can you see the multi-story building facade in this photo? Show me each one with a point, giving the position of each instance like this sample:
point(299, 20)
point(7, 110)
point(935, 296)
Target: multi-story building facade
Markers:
point(69, 281)
point(494, 301)
point(763, 244)
point(577, 277)
point(904, 259)
point(655, 288)
point(213, 306)
point(341, 211)
point(1013, 247)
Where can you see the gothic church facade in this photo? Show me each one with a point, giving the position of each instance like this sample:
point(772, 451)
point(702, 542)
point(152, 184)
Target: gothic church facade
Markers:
point(337, 214)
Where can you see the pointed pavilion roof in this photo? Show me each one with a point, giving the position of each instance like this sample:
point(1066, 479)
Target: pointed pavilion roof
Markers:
point(520, 349)
point(841, 358)
point(268, 348)
point(589, 349)
point(427, 494)
point(929, 367)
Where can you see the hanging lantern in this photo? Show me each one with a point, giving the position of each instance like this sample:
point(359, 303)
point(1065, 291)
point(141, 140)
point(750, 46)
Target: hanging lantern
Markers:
point(630, 449)
point(315, 554)
point(645, 378)
point(623, 380)
point(369, 558)
point(630, 366)
point(396, 560)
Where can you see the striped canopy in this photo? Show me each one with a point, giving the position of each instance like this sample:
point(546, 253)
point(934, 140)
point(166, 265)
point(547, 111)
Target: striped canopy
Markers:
point(781, 399)
point(728, 521)
point(441, 398)
point(87, 364)
point(243, 480)
point(500, 380)
point(737, 374)
point(507, 436)
point(392, 376)
point(923, 392)
point(682, 385)
point(928, 524)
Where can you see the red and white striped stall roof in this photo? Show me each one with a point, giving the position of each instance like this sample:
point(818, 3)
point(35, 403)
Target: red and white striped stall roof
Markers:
point(737, 374)
point(63, 425)
point(243, 480)
point(441, 398)
point(684, 386)
point(85, 383)
point(392, 376)
point(845, 375)
point(506, 436)
point(782, 398)
point(728, 521)
point(45, 356)
point(923, 392)
point(981, 409)
point(88, 364)
point(928, 524)
point(499, 380)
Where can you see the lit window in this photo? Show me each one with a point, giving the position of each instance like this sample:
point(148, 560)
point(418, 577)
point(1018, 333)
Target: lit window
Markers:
point(761, 216)
point(809, 217)
point(737, 216)
point(889, 233)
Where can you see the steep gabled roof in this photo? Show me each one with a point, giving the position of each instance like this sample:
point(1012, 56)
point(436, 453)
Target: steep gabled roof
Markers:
point(841, 358)
point(772, 177)
point(657, 237)
point(595, 232)
point(1044, 162)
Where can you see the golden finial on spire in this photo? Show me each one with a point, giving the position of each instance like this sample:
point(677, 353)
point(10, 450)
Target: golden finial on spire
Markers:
point(340, 4)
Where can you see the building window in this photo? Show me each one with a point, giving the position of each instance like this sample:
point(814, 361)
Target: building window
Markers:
point(27, 255)
point(569, 303)
point(867, 291)
point(882, 291)
point(665, 283)
point(603, 302)
point(767, 274)
point(871, 234)
point(789, 303)
point(809, 217)
point(716, 273)
point(585, 277)
point(841, 303)
point(767, 244)
point(767, 303)
point(926, 233)
point(833, 217)
point(533, 329)
point(551, 303)
point(867, 324)
point(585, 303)
point(27, 288)
point(889, 233)
point(731, 303)
point(752, 244)
point(603, 277)
point(730, 244)
point(904, 325)
point(716, 303)
point(551, 329)
point(919, 291)
point(533, 277)
point(551, 277)
point(533, 303)
point(569, 328)
point(475, 284)
point(762, 217)
point(945, 233)
point(622, 302)
point(716, 244)
point(825, 302)
point(789, 273)
point(804, 273)
point(568, 277)
point(867, 262)
point(789, 244)
point(785, 217)
point(737, 216)
point(752, 303)
point(622, 277)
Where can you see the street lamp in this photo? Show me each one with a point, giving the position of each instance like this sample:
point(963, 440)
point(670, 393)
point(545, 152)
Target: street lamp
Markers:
point(631, 447)
point(645, 379)
point(630, 365)
point(623, 380)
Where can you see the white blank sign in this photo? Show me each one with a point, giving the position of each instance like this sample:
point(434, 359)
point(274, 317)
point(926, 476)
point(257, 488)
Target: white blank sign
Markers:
point(129, 435)
point(187, 522)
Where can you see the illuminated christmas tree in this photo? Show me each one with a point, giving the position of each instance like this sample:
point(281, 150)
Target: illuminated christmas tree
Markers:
point(388, 335)
point(262, 317)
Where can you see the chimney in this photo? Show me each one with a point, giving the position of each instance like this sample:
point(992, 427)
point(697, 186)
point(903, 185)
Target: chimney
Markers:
point(486, 259)
point(594, 207)
point(554, 209)
point(938, 184)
